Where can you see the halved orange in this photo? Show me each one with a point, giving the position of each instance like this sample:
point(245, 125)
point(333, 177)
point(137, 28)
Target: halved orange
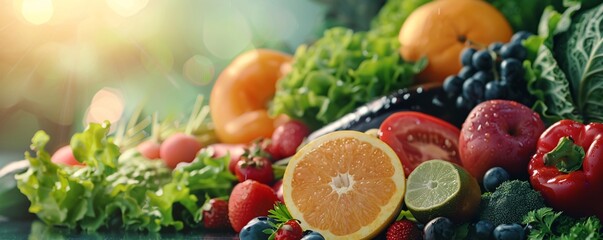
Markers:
point(345, 185)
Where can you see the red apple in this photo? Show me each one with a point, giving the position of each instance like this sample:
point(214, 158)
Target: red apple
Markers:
point(499, 133)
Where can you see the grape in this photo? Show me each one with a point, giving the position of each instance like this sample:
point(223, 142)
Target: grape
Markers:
point(482, 230)
point(513, 50)
point(520, 36)
point(466, 72)
point(466, 56)
point(453, 85)
point(473, 89)
point(483, 76)
point(495, 47)
point(482, 60)
point(463, 103)
point(494, 90)
point(512, 69)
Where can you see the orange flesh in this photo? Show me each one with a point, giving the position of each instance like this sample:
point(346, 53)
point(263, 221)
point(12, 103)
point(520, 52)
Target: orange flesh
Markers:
point(351, 183)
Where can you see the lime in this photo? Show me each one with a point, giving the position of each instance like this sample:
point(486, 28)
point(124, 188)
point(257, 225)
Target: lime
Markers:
point(438, 188)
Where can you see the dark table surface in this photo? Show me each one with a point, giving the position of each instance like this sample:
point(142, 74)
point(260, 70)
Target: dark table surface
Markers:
point(35, 229)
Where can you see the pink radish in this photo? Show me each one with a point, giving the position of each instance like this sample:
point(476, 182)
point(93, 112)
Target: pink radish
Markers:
point(64, 155)
point(179, 147)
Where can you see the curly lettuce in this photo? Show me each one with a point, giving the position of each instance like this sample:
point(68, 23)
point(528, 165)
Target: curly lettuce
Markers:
point(126, 190)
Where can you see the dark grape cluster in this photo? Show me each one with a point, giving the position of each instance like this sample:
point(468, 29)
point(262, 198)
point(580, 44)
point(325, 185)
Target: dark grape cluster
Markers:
point(495, 72)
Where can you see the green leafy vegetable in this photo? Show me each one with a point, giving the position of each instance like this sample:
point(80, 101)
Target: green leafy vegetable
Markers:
point(580, 55)
point(392, 15)
point(546, 80)
point(340, 72)
point(126, 191)
point(545, 223)
point(524, 15)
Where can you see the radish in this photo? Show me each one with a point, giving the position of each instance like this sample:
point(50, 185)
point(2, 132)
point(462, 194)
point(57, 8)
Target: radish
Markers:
point(151, 147)
point(64, 155)
point(184, 147)
point(179, 147)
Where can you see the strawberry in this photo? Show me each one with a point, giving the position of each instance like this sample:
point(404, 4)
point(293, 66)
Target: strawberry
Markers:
point(215, 214)
point(249, 199)
point(255, 167)
point(290, 230)
point(287, 138)
point(403, 230)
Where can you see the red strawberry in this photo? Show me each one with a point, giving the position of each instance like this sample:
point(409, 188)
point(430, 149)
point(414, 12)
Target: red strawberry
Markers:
point(215, 214)
point(248, 200)
point(403, 230)
point(278, 189)
point(255, 168)
point(290, 230)
point(287, 138)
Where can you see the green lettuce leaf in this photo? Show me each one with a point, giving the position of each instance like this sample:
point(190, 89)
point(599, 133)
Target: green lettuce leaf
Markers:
point(126, 191)
point(580, 55)
point(545, 78)
point(340, 72)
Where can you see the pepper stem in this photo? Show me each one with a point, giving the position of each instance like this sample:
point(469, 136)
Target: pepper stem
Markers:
point(566, 156)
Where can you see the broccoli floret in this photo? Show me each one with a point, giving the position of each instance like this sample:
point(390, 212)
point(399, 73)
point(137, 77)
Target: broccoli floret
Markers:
point(510, 202)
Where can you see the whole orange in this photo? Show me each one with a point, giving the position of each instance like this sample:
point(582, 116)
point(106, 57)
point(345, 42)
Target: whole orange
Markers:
point(441, 29)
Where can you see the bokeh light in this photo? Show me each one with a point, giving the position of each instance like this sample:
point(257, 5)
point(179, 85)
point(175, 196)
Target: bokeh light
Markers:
point(107, 105)
point(37, 11)
point(127, 8)
point(226, 32)
point(199, 70)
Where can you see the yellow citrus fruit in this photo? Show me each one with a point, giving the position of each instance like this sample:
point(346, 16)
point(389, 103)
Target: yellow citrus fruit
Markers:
point(438, 188)
point(441, 29)
point(345, 185)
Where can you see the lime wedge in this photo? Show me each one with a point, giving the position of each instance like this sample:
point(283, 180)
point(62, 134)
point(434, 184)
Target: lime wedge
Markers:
point(438, 188)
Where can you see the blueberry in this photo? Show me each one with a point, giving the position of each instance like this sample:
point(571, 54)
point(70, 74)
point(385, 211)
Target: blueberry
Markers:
point(512, 231)
point(466, 56)
point(466, 72)
point(439, 228)
point(495, 47)
point(512, 69)
point(483, 76)
point(473, 89)
point(482, 60)
point(494, 177)
point(254, 229)
point(453, 85)
point(494, 90)
point(520, 36)
point(483, 229)
point(513, 50)
point(311, 235)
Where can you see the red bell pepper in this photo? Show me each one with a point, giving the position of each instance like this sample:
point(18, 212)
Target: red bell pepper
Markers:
point(567, 168)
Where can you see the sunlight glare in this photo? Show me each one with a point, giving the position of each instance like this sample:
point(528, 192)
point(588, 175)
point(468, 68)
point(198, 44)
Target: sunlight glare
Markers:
point(127, 8)
point(107, 105)
point(37, 11)
point(199, 70)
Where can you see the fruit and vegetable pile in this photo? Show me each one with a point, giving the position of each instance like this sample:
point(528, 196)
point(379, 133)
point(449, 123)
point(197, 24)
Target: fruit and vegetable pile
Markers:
point(527, 162)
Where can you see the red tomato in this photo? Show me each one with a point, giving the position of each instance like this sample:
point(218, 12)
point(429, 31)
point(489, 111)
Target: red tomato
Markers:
point(241, 94)
point(418, 137)
point(65, 156)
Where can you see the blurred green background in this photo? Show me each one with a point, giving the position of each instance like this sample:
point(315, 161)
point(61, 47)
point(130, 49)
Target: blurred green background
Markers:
point(64, 63)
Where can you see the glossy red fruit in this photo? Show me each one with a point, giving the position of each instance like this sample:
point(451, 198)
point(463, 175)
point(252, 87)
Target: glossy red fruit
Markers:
point(233, 150)
point(149, 149)
point(403, 230)
point(287, 138)
point(215, 214)
point(417, 137)
point(255, 168)
point(178, 148)
point(64, 155)
point(248, 200)
point(278, 189)
point(291, 230)
point(499, 133)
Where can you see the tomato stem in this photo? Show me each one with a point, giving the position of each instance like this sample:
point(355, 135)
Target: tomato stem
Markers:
point(566, 156)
